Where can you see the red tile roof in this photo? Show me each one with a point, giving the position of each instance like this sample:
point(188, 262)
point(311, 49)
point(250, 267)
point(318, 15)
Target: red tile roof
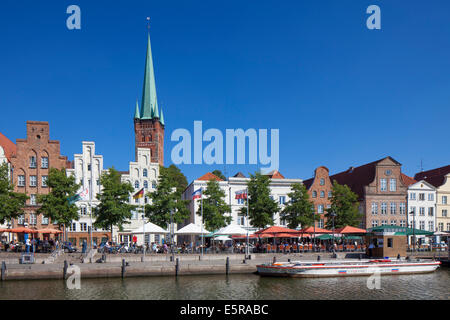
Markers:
point(209, 176)
point(436, 177)
point(8, 146)
point(357, 178)
point(275, 174)
point(407, 180)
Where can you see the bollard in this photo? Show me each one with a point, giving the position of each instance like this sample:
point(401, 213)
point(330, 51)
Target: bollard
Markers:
point(249, 257)
point(318, 258)
point(360, 256)
point(177, 267)
point(3, 270)
point(227, 266)
point(65, 269)
point(142, 259)
point(199, 258)
point(123, 268)
point(289, 260)
point(274, 259)
point(104, 257)
point(171, 258)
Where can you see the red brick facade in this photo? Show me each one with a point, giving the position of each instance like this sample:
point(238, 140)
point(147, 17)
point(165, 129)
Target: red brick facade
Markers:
point(149, 133)
point(30, 172)
point(319, 190)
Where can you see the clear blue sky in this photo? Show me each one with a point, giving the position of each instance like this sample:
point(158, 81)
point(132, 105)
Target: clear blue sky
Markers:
point(340, 94)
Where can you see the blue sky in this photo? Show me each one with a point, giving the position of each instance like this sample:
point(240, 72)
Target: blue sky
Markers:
point(340, 94)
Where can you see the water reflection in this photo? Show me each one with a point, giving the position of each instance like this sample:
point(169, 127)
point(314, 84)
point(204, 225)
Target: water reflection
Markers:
point(236, 287)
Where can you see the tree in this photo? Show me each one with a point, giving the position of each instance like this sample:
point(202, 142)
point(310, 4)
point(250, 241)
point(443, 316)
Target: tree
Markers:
point(344, 203)
point(11, 203)
point(214, 207)
point(114, 208)
point(167, 198)
point(299, 210)
point(261, 206)
point(56, 205)
point(219, 174)
point(176, 176)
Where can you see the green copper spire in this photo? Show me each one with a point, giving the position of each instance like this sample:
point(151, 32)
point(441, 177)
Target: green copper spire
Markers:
point(149, 102)
point(162, 117)
point(136, 113)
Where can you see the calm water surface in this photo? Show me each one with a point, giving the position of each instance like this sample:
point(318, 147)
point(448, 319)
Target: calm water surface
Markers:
point(237, 287)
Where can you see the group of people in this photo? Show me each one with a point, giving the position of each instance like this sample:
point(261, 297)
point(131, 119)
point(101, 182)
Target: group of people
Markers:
point(31, 245)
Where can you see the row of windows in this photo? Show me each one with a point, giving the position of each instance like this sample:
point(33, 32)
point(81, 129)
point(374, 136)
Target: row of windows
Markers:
point(44, 162)
point(136, 184)
point(322, 194)
point(33, 181)
point(376, 223)
point(392, 207)
point(392, 184)
point(33, 219)
point(412, 211)
point(412, 196)
point(441, 226)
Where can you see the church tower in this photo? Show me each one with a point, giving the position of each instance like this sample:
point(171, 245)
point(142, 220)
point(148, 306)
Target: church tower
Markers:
point(148, 122)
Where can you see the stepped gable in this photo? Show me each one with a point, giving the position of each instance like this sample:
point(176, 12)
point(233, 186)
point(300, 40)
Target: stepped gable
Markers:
point(436, 177)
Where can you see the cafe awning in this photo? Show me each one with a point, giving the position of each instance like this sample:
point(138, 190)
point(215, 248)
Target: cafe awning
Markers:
point(192, 229)
point(49, 231)
point(400, 231)
point(316, 230)
point(350, 230)
point(22, 230)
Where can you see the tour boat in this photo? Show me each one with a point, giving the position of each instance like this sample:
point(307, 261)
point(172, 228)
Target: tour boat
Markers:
point(346, 268)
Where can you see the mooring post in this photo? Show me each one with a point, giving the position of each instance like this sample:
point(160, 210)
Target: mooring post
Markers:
point(318, 258)
point(171, 258)
point(3, 270)
point(104, 257)
point(177, 265)
point(274, 259)
point(199, 258)
point(123, 268)
point(65, 269)
point(227, 266)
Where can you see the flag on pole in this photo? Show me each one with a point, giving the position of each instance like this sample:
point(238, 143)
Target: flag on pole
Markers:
point(241, 194)
point(82, 195)
point(197, 194)
point(139, 194)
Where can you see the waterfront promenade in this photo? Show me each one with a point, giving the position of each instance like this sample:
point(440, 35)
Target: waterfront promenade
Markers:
point(131, 265)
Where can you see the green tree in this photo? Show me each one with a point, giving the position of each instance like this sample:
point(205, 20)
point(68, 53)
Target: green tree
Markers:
point(11, 203)
point(299, 210)
point(219, 174)
point(261, 206)
point(114, 208)
point(175, 176)
point(214, 207)
point(56, 205)
point(344, 204)
point(166, 199)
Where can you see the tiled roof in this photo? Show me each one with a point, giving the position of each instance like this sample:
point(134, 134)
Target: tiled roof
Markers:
point(357, 178)
point(436, 177)
point(239, 175)
point(209, 176)
point(407, 180)
point(8, 146)
point(275, 175)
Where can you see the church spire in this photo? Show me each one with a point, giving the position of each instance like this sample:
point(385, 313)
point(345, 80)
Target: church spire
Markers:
point(136, 113)
point(149, 104)
point(162, 117)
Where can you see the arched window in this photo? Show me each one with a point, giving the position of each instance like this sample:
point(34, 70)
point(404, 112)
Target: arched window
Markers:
point(314, 194)
point(322, 194)
point(322, 181)
point(154, 184)
point(136, 184)
point(145, 184)
point(144, 173)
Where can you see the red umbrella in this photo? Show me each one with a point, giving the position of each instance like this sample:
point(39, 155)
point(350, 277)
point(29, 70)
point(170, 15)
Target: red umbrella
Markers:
point(48, 230)
point(275, 229)
point(318, 230)
point(349, 230)
point(22, 230)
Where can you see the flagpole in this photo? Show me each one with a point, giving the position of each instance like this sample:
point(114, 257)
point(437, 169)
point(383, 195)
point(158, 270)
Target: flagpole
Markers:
point(143, 231)
point(90, 197)
point(203, 236)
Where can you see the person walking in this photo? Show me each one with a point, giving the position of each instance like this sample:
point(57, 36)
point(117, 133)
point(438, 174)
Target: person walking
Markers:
point(83, 247)
point(27, 245)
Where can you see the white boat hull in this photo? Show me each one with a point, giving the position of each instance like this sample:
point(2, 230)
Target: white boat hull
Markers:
point(315, 270)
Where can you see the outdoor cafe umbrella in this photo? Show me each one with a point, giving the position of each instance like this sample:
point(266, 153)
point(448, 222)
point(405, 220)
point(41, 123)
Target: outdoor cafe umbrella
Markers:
point(231, 229)
point(222, 238)
point(350, 230)
point(192, 229)
point(149, 228)
point(21, 230)
point(49, 230)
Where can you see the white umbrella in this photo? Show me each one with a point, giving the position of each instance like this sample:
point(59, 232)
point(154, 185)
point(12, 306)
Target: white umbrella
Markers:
point(223, 238)
point(441, 233)
point(149, 228)
point(192, 229)
point(232, 229)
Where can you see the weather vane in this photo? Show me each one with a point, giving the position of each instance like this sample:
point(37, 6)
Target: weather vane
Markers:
point(148, 23)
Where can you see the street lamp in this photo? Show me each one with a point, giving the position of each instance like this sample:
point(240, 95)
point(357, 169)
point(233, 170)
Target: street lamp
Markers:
point(333, 214)
point(414, 230)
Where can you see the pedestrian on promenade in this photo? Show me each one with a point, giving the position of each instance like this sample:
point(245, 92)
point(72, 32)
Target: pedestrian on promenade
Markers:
point(27, 245)
point(83, 247)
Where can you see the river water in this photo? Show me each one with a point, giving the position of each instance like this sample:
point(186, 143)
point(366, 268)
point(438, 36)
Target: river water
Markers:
point(433, 286)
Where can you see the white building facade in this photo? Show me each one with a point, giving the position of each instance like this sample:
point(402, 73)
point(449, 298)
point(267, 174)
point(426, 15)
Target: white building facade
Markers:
point(87, 168)
point(142, 174)
point(279, 189)
point(422, 208)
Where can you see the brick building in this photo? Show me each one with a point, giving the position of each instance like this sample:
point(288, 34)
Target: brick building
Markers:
point(381, 190)
point(319, 190)
point(148, 122)
point(34, 156)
